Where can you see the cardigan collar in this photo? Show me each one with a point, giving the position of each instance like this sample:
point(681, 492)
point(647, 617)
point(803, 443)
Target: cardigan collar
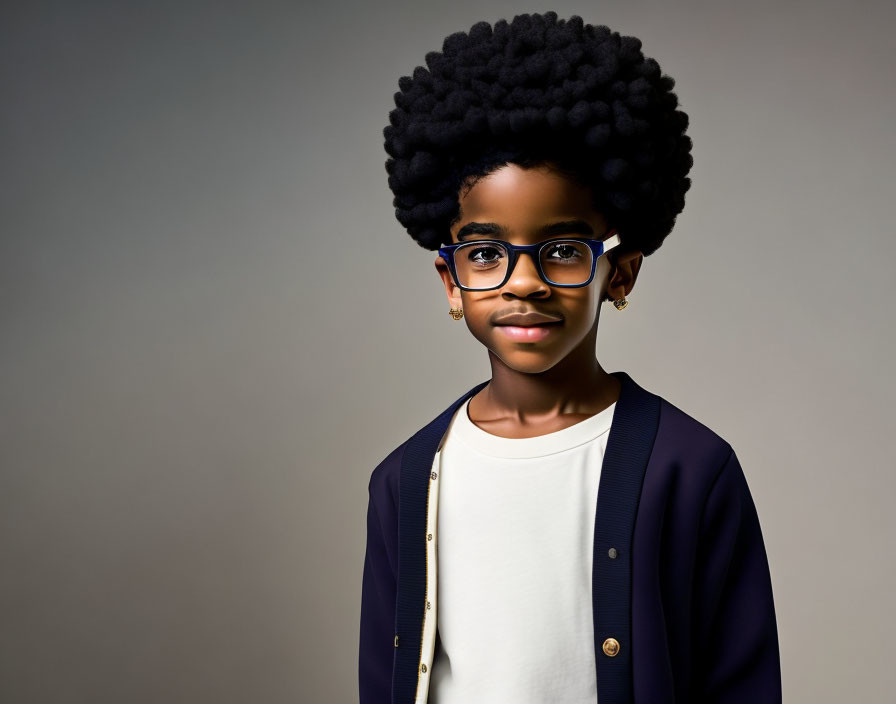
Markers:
point(629, 444)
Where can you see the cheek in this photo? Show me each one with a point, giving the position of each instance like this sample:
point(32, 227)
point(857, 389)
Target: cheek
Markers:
point(602, 275)
point(477, 308)
point(476, 311)
point(582, 307)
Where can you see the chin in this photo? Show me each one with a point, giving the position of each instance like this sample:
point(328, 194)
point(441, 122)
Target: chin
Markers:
point(533, 361)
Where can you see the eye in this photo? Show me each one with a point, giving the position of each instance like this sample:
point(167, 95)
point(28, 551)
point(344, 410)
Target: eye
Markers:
point(485, 255)
point(563, 252)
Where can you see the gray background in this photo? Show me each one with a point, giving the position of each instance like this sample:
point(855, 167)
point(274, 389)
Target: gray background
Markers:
point(213, 328)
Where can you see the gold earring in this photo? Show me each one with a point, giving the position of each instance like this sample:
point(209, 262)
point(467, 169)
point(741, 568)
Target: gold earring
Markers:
point(456, 313)
point(620, 303)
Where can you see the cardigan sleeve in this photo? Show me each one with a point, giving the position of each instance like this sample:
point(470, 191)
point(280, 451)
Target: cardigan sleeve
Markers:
point(737, 657)
point(378, 591)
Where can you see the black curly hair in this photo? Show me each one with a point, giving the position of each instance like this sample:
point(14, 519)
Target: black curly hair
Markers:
point(539, 90)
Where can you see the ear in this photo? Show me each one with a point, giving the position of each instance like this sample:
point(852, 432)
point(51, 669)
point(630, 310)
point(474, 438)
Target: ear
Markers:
point(624, 273)
point(451, 290)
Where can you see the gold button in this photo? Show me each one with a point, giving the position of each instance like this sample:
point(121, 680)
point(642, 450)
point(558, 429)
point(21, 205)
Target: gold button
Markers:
point(429, 537)
point(396, 640)
point(611, 647)
point(423, 667)
point(434, 475)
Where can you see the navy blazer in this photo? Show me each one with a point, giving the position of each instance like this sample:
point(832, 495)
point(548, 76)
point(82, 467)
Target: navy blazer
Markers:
point(680, 575)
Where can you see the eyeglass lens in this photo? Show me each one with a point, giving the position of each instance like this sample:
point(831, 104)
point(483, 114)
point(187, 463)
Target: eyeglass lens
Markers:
point(484, 265)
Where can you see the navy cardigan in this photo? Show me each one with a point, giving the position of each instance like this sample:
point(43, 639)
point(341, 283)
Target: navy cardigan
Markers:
point(688, 595)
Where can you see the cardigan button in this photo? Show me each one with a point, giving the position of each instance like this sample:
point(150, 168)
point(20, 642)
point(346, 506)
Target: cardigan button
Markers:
point(423, 667)
point(611, 647)
point(613, 553)
point(429, 536)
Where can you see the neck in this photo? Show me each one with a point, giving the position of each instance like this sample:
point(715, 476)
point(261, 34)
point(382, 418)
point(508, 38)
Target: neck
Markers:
point(576, 385)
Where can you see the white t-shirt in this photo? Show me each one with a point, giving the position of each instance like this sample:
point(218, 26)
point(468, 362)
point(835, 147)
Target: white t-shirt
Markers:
point(516, 534)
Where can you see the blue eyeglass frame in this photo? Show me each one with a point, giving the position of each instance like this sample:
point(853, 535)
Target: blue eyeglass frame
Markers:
point(598, 248)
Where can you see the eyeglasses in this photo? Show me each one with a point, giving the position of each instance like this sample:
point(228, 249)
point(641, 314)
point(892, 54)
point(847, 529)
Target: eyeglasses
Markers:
point(483, 265)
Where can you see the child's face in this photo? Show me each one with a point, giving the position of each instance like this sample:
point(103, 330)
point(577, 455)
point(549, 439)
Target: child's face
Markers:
point(522, 201)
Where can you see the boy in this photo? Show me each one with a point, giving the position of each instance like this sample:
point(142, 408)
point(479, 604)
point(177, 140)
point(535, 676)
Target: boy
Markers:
point(558, 533)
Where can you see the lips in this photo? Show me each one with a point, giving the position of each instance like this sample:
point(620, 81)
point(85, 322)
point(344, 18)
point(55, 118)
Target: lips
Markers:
point(528, 319)
point(527, 333)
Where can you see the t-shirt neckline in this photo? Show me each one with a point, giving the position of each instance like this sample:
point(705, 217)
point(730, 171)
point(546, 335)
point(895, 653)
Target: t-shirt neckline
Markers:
point(515, 448)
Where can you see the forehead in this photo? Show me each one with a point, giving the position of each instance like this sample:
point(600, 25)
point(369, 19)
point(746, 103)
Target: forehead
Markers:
point(513, 194)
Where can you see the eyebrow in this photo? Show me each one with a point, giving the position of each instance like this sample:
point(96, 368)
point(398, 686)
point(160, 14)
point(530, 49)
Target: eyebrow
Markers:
point(565, 227)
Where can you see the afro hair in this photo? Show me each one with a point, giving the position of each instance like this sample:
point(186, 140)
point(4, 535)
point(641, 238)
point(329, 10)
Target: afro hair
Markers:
point(538, 90)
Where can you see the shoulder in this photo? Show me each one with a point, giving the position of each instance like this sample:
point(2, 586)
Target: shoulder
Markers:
point(383, 484)
point(693, 472)
point(684, 441)
point(385, 476)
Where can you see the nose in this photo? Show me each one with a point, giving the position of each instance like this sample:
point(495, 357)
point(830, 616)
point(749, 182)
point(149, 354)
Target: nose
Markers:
point(524, 279)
